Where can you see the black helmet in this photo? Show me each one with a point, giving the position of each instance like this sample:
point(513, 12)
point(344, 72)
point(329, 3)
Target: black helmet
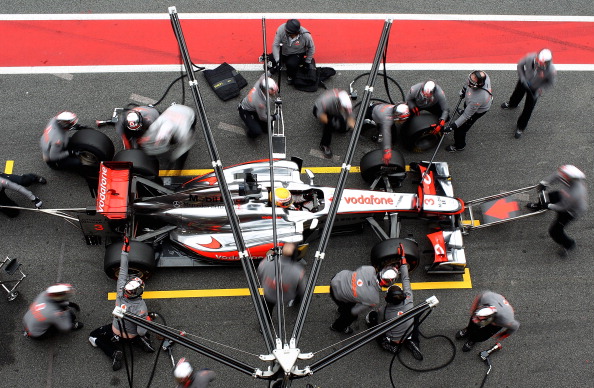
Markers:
point(395, 295)
point(477, 79)
point(292, 26)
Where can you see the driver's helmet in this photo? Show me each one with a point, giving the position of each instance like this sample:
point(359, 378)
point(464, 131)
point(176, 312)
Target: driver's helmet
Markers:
point(182, 371)
point(484, 315)
point(134, 288)
point(569, 172)
point(66, 120)
point(60, 292)
point(401, 113)
point(283, 197)
point(345, 101)
point(543, 59)
point(395, 295)
point(387, 276)
point(134, 120)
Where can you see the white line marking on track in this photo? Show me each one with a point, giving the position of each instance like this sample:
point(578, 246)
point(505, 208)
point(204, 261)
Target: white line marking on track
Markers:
point(66, 76)
point(142, 99)
point(258, 68)
point(231, 128)
point(333, 16)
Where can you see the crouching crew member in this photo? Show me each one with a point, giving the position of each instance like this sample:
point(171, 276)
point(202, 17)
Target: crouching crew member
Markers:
point(398, 301)
point(50, 312)
point(129, 296)
point(355, 291)
point(387, 117)
point(54, 142)
point(491, 316)
point(430, 97)
point(334, 110)
point(297, 47)
point(253, 110)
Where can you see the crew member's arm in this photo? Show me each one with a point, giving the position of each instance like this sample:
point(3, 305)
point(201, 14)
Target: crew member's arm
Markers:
point(5, 183)
point(280, 32)
point(311, 48)
point(510, 328)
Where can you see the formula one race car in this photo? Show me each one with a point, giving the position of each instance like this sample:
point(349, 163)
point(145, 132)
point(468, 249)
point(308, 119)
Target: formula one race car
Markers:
point(182, 222)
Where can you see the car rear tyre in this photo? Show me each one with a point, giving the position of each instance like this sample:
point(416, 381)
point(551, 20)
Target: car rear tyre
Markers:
point(142, 164)
point(385, 253)
point(141, 260)
point(372, 164)
point(93, 146)
point(416, 133)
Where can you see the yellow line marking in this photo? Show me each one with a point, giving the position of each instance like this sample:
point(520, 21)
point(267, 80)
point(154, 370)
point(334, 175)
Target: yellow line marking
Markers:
point(473, 223)
point(227, 292)
point(8, 166)
point(318, 170)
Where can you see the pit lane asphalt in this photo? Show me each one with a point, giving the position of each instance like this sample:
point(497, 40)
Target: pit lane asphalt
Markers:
point(551, 295)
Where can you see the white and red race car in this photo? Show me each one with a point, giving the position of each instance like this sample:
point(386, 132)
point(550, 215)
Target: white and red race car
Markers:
point(182, 222)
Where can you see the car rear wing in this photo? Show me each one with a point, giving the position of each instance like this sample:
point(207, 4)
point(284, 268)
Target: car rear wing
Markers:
point(112, 203)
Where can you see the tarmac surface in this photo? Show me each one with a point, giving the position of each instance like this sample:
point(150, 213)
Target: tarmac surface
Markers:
point(551, 295)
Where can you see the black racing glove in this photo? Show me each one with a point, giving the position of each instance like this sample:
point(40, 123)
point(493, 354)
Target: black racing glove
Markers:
point(462, 91)
point(73, 152)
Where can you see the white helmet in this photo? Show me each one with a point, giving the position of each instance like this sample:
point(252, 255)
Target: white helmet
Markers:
point(60, 292)
point(544, 58)
point(345, 101)
point(569, 172)
point(401, 113)
point(182, 371)
point(134, 288)
point(134, 120)
point(484, 315)
point(67, 120)
point(272, 86)
point(387, 276)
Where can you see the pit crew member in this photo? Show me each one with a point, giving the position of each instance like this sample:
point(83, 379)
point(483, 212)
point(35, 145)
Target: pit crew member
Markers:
point(252, 108)
point(292, 277)
point(297, 47)
point(536, 73)
point(54, 142)
point(387, 117)
point(16, 182)
point(491, 315)
point(132, 124)
point(430, 97)
point(477, 101)
point(129, 296)
point(172, 130)
point(398, 301)
point(570, 202)
point(186, 377)
point(355, 291)
point(51, 311)
point(334, 110)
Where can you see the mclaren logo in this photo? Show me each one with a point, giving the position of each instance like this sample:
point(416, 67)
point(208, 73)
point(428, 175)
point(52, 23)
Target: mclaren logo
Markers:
point(213, 244)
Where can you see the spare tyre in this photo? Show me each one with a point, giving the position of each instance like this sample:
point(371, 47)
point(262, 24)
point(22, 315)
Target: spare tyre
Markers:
point(416, 133)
